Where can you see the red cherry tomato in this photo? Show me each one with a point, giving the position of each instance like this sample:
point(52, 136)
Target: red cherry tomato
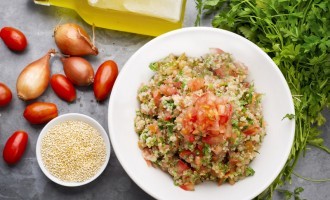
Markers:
point(5, 95)
point(40, 112)
point(104, 79)
point(63, 87)
point(13, 38)
point(15, 147)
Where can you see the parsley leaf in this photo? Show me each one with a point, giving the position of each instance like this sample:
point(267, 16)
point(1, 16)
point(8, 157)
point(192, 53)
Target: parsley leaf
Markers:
point(289, 116)
point(249, 171)
point(154, 66)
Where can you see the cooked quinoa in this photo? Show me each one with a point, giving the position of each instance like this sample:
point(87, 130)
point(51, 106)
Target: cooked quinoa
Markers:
point(73, 151)
point(200, 119)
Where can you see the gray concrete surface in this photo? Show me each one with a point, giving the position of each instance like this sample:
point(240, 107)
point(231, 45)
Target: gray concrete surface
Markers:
point(25, 180)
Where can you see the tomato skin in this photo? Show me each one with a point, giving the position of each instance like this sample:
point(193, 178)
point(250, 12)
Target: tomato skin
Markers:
point(40, 112)
point(188, 187)
point(5, 95)
point(196, 84)
point(168, 90)
point(15, 147)
point(63, 87)
point(182, 166)
point(185, 153)
point(156, 96)
point(252, 130)
point(104, 79)
point(213, 140)
point(13, 38)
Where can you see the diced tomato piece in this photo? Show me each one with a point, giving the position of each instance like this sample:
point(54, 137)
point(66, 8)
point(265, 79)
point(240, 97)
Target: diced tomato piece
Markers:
point(223, 119)
point(185, 153)
point(168, 90)
point(225, 113)
point(216, 51)
point(252, 130)
point(188, 187)
point(148, 163)
point(196, 84)
point(177, 84)
point(200, 147)
point(193, 118)
point(246, 84)
point(167, 117)
point(209, 115)
point(191, 138)
point(213, 139)
point(156, 96)
point(219, 72)
point(221, 181)
point(233, 73)
point(233, 161)
point(182, 166)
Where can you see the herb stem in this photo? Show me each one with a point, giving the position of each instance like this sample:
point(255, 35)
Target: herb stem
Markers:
point(310, 179)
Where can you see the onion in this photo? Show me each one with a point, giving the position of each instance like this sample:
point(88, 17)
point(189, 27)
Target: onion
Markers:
point(73, 40)
point(78, 70)
point(34, 78)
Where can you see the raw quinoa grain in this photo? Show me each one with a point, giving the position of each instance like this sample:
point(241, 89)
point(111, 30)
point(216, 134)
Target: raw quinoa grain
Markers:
point(73, 151)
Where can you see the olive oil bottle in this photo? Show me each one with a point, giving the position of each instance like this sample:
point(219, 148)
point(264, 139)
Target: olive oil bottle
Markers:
point(147, 17)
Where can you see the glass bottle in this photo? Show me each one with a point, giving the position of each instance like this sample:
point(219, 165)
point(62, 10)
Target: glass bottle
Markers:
point(147, 17)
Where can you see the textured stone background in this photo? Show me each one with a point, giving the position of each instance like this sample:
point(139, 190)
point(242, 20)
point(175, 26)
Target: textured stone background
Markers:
point(25, 180)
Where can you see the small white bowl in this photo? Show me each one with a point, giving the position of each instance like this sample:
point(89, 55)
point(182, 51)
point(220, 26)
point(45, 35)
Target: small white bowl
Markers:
point(72, 117)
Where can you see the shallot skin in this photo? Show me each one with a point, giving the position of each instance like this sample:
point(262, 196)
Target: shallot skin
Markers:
point(34, 78)
point(78, 70)
point(73, 40)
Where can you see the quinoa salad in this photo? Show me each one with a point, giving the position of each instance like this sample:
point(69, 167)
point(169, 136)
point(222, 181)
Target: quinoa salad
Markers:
point(200, 119)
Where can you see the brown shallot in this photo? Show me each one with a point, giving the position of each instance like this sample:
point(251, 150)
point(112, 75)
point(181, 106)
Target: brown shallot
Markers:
point(34, 78)
point(78, 70)
point(73, 40)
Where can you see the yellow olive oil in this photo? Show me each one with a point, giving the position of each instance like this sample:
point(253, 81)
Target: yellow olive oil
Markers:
point(124, 15)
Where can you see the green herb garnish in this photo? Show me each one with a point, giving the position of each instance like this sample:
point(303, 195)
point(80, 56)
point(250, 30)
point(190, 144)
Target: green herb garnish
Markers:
point(289, 116)
point(295, 194)
point(249, 171)
point(154, 66)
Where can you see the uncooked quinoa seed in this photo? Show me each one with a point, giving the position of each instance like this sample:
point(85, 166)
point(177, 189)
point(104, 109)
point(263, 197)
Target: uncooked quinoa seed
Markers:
point(73, 151)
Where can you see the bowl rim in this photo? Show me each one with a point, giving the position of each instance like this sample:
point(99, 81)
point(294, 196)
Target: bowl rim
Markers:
point(76, 117)
point(124, 70)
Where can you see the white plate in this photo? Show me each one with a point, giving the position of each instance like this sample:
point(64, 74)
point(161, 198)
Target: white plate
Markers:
point(277, 102)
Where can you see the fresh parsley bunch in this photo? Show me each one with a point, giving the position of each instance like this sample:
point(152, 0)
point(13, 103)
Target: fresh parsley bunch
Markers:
point(296, 35)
